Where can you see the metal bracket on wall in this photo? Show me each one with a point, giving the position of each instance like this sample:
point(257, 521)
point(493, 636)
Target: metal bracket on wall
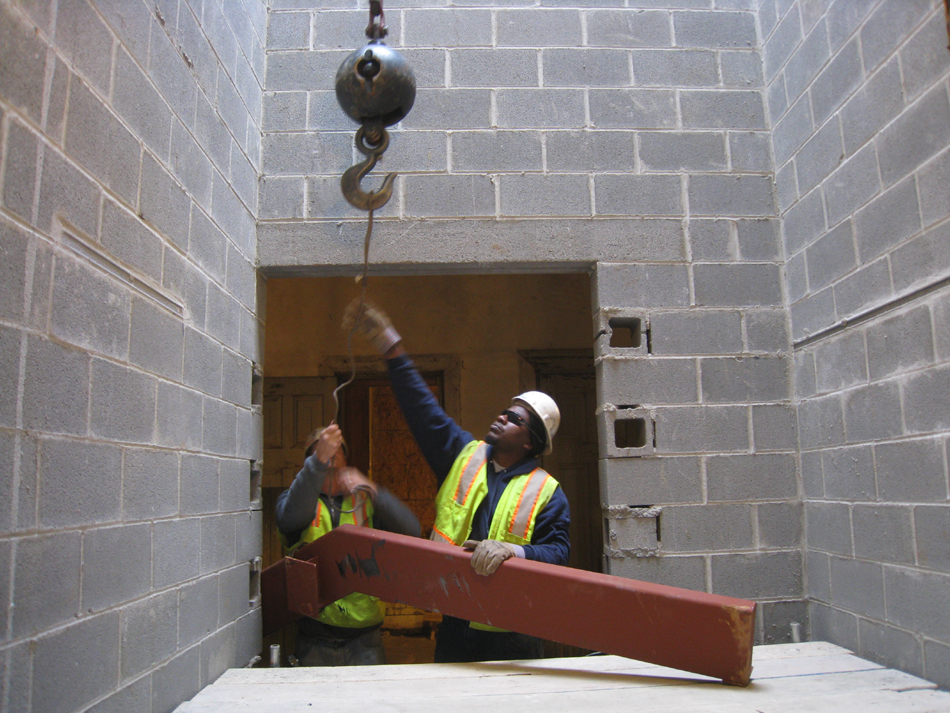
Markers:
point(701, 633)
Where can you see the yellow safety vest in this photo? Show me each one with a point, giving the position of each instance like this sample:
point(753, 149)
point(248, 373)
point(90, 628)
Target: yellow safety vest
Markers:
point(356, 610)
point(467, 485)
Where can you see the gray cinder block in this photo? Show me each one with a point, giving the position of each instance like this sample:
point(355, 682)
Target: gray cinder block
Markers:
point(226, 324)
point(758, 239)
point(767, 331)
point(702, 429)
point(584, 150)
point(819, 157)
point(918, 600)
point(796, 277)
point(428, 66)
point(494, 68)
point(890, 646)
point(831, 256)
point(781, 44)
point(625, 432)
point(870, 284)
point(722, 109)
point(190, 165)
point(241, 278)
point(836, 81)
point(873, 412)
point(683, 151)
point(740, 195)
point(149, 484)
point(628, 28)
point(455, 27)
point(87, 43)
point(879, 100)
point(631, 531)
point(131, 241)
point(294, 70)
point(233, 592)
point(163, 204)
point(792, 130)
point(737, 285)
point(714, 29)
point(887, 220)
point(923, 259)
point(137, 102)
point(80, 484)
point(583, 67)
point(900, 344)
point(849, 473)
point(804, 223)
point(178, 417)
point(306, 153)
point(818, 567)
point(750, 151)
point(921, 58)
point(741, 68)
point(640, 286)
point(217, 543)
point(884, 533)
point(501, 151)
point(207, 245)
point(149, 633)
point(887, 26)
point(22, 65)
point(696, 332)
point(637, 195)
point(169, 71)
point(687, 572)
point(291, 30)
point(545, 195)
point(46, 581)
point(535, 27)
point(813, 314)
point(674, 68)
point(858, 586)
point(705, 528)
point(444, 109)
point(450, 196)
point(925, 397)
point(281, 197)
point(217, 651)
point(199, 484)
point(851, 185)
point(751, 477)
point(19, 180)
point(647, 381)
point(780, 524)
point(775, 427)
point(419, 151)
point(55, 388)
point(55, 657)
point(932, 525)
point(623, 108)
point(921, 132)
point(712, 240)
point(738, 379)
point(286, 111)
point(96, 139)
point(778, 618)
point(122, 403)
point(820, 422)
point(911, 471)
point(758, 575)
point(543, 108)
point(236, 379)
point(828, 527)
point(808, 58)
point(176, 681)
point(103, 583)
point(169, 539)
point(219, 432)
point(13, 253)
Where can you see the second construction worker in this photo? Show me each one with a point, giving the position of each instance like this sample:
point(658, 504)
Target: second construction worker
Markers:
point(493, 497)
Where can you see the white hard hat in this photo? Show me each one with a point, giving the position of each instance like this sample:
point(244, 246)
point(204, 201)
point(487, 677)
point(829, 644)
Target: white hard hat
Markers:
point(542, 406)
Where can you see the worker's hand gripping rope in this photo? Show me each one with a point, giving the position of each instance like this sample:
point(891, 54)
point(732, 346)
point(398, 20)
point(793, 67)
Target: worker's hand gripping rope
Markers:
point(371, 323)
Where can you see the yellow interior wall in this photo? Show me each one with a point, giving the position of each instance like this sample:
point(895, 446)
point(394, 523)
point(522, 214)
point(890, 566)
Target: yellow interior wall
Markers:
point(483, 319)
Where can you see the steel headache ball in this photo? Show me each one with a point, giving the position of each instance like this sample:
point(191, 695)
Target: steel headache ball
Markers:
point(375, 86)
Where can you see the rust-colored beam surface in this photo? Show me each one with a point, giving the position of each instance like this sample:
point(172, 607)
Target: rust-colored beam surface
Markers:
point(691, 631)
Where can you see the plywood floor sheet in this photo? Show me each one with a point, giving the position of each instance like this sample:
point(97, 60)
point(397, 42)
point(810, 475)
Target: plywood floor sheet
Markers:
point(814, 677)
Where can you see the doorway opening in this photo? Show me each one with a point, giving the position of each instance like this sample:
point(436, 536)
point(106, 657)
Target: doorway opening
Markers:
point(478, 340)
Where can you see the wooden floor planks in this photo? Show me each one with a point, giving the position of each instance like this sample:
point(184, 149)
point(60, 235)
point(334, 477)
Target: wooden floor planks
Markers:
point(815, 677)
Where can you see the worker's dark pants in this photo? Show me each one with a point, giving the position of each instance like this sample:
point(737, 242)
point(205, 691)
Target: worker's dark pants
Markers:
point(458, 642)
point(362, 650)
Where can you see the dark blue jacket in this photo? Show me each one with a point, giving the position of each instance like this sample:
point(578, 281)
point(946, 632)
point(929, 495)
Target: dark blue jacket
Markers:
point(441, 440)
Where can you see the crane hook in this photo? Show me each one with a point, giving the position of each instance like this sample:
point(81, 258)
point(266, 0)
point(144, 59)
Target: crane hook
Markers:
point(350, 183)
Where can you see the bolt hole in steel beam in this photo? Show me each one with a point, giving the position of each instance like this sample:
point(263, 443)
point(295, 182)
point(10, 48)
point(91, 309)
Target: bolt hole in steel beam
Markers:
point(702, 633)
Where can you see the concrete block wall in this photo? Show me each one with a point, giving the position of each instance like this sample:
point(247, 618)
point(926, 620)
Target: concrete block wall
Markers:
point(631, 141)
point(129, 331)
point(859, 98)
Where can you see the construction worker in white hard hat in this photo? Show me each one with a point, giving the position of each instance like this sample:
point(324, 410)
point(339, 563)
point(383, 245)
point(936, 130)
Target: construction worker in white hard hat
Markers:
point(493, 499)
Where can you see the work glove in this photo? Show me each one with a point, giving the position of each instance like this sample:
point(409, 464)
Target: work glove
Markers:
point(372, 324)
point(349, 481)
point(489, 554)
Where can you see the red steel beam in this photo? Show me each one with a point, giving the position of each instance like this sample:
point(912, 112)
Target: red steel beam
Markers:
point(692, 631)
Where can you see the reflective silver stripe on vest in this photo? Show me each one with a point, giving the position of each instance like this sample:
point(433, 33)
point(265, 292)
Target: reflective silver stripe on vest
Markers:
point(467, 478)
point(521, 520)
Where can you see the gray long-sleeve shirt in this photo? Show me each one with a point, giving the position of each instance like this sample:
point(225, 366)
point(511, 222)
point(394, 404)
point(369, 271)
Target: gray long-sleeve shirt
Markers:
point(297, 505)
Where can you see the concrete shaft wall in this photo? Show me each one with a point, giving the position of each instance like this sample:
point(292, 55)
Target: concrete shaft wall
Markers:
point(858, 96)
point(130, 153)
point(631, 142)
